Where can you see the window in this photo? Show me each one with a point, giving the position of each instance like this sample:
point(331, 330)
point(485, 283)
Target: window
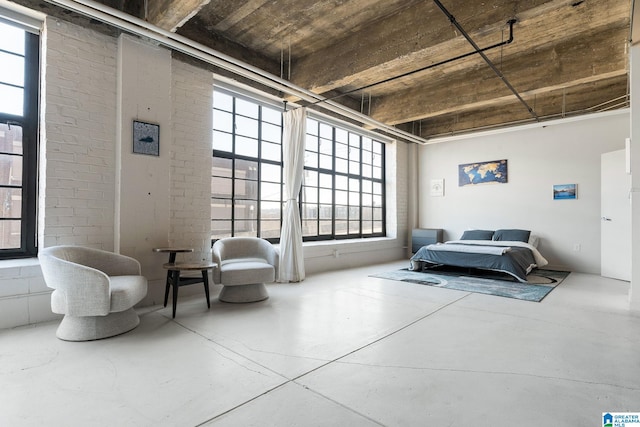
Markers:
point(18, 141)
point(343, 186)
point(246, 177)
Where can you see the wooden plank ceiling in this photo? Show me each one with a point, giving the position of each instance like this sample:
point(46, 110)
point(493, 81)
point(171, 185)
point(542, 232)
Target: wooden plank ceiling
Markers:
point(567, 57)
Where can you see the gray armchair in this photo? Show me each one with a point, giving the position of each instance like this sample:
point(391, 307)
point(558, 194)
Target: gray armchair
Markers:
point(244, 265)
point(94, 289)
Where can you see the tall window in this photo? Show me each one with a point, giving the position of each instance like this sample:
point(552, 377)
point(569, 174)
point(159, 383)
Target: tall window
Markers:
point(246, 178)
point(18, 141)
point(343, 186)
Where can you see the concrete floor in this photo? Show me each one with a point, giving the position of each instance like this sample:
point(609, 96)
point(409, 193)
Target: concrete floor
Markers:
point(340, 349)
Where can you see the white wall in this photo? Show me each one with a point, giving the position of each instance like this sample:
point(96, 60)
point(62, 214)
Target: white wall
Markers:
point(142, 181)
point(561, 152)
point(634, 294)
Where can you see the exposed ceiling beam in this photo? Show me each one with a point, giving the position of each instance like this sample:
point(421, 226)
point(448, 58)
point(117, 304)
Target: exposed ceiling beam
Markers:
point(566, 102)
point(486, 59)
point(239, 13)
point(565, 54)
point(411, 44)
point(172, 14)
point(572, 63)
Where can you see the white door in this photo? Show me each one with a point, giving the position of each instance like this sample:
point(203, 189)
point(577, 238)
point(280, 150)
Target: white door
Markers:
point(615, 222)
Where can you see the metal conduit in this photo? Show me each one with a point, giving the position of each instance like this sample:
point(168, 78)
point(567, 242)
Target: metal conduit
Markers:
point(487, 60)
point(437, 64)
point(182, 44)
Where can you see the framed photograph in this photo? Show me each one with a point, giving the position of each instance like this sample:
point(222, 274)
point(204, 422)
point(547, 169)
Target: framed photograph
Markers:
point(437, 187)
point(146, 138)
point(565, 191)
point(491, 172)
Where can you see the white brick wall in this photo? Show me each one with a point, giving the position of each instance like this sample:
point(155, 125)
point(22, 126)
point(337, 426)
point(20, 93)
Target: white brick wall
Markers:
point(24, 297)
point(77, 161)
point(192, 95)
point(79, 150)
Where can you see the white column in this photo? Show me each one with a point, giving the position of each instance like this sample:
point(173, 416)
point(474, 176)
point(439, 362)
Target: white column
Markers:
point(142, 211)
point(634, 293)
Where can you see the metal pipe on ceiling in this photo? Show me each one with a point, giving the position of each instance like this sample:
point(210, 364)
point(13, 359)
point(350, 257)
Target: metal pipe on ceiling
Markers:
point(182, 44)
point(452, 19)
point(437, 64)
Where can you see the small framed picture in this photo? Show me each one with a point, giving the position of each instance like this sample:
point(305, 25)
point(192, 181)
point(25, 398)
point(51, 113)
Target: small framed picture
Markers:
point(565, 191)
point(437, 187)
point(146, 138)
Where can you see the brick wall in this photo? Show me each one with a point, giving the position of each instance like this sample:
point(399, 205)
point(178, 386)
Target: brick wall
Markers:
point(192, 97)
point(79, 101)
point(402, 189)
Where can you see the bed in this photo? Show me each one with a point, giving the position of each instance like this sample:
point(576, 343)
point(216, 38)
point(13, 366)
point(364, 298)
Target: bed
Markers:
point(510, 251)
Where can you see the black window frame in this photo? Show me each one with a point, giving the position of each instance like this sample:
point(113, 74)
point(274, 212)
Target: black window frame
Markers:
point(350, 176)
point(233, 158)
point(29, 123)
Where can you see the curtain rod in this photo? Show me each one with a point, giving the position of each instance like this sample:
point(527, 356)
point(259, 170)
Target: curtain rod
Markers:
point(182, 44)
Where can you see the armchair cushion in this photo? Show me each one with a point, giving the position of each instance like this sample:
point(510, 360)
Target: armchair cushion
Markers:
point(246, 270)
point(126, 291)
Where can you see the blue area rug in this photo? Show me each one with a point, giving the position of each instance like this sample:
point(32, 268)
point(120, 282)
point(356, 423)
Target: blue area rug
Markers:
point(541, 282)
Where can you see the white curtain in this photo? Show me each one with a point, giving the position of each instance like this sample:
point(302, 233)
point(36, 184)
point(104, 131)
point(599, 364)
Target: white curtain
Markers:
point(291, 257)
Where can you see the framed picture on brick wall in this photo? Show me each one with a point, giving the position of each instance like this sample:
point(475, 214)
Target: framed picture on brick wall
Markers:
point(146, 138)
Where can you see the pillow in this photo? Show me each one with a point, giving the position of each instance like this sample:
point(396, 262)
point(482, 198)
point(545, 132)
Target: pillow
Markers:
point(513, 235)
point(477, 235)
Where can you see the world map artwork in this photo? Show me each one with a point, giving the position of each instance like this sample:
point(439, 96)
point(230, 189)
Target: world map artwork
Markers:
point(494, 172)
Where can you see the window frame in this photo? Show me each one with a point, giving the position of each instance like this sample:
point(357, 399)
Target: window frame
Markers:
point(234, 158)
point(349, 176)
point(29, 123)
point(331, 123)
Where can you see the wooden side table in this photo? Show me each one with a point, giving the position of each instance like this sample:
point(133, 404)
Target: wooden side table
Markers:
point(174, 279)
point(173, 251)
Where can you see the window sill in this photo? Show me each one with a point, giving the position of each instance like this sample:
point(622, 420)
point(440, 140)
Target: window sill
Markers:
point(19, 263)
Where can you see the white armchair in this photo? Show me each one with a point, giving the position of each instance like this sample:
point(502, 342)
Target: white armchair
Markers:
point(95, 290)
point(244, 265)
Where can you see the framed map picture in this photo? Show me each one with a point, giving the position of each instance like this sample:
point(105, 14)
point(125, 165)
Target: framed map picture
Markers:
point(491, 172)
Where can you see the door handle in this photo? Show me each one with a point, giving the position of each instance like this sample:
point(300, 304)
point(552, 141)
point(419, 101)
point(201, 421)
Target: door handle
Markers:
point(604, 218)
